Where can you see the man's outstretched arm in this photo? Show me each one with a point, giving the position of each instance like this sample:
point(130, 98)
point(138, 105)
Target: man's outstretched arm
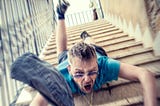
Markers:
point(61, 35)
point(146, 79)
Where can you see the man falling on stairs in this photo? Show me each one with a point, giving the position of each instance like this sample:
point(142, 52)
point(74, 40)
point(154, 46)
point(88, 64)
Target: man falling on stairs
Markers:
point(86, 66)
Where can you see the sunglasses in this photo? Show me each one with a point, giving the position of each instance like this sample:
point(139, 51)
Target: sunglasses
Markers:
point(82, 74)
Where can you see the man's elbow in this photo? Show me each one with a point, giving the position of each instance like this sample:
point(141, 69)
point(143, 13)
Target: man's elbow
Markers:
point(147, 77)
point(149, 74)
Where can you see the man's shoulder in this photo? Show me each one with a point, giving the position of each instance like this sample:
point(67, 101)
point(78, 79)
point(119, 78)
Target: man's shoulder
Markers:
point(107, 61)
point(63, 65)
point(101, 59)
point(107, 64)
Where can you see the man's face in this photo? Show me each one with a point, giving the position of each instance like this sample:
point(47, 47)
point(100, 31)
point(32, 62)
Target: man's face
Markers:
point(84, 73)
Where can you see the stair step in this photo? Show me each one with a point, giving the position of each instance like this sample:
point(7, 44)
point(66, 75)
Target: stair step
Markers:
point(50, 57)
point(148, 60)
point(119, 36)
point(124, 45)
point(54, 56)
point(106, 32)
point(95, 35)
point(50, 47)
point(50, 52)
point(115, 36)
point(54, 62)
point(138, 59)
point(98, 36)
point(107, 42)
point(131, 53)
point(125, 49)
point(119, 46)
point(111, 42)
point(90, 29)
point(116, 41)
point(129, 60)
point(86, 25)
point(110, 51)
point(100, 39)
point(132, 101)
point(152, 66)
point(122, 93)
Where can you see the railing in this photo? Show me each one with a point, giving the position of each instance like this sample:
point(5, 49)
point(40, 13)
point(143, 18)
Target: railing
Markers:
point(26, 25)
point(82, 17)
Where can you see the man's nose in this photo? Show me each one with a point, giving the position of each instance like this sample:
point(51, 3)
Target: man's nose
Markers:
point(86, 78)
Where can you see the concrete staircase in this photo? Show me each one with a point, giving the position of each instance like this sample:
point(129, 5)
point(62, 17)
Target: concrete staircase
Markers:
point(120, 46)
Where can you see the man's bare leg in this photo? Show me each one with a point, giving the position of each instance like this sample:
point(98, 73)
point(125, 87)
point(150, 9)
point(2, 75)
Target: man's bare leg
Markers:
point(87, 38)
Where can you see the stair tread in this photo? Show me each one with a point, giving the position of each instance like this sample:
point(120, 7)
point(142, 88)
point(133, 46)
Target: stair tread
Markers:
point(96, 34)
point(121, 95)
point(90, 29)
point(131, 53)
point(119, 54)
point(121, 45)
point(134, 60)
point(116, 41)
point(108, 50)
point(125, 49)
point(111, 42)
point(89, 24)
point(108, 100)
point(117, 36)
point(138, 59)
point(152, 66)
point(98, 39)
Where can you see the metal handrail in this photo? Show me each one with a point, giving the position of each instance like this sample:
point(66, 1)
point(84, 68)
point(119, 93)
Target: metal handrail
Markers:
point(82, 17)
point(26, 27)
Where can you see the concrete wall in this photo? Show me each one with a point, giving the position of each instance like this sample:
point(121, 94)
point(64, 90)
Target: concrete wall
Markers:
point(138, 18)
point(153, 12)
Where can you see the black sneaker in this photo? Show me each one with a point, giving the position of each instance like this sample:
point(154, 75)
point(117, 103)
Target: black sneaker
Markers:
point(84, 35)
point(61, 8)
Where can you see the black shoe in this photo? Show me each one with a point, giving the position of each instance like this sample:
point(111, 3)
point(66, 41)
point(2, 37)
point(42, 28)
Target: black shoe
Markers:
point(84, 35)
point(61, 8)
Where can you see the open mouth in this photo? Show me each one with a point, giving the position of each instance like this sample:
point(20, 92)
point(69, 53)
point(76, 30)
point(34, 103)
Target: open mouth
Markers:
point(87, 87)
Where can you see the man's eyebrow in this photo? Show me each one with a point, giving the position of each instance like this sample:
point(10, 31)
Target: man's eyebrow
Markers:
point(78, 70)
point(94, 69)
